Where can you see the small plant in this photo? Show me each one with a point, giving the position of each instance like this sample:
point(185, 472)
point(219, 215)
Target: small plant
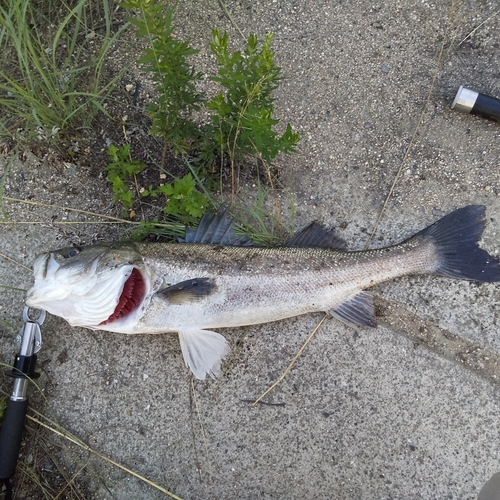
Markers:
point(182, 199)
point(167, 61)
point(243, 122)
point(121, 168)
point(242, 119)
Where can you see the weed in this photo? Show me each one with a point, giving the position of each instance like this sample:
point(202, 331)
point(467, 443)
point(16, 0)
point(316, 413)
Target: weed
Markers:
point(51, 81)
point(121, 168)
point(242, 118)
point(167, 61)
point(242, 122)
point(182, 198)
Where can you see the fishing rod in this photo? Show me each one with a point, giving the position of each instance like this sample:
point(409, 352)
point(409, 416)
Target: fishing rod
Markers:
point(29, 342)
point(470, 101)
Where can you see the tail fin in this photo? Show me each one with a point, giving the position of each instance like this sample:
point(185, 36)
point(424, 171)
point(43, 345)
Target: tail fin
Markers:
point(456, 237)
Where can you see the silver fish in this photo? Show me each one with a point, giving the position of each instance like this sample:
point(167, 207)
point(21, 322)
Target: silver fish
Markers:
point(215, 280)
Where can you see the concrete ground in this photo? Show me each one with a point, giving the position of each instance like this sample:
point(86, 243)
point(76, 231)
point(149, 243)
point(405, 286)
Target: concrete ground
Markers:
point(409, 410)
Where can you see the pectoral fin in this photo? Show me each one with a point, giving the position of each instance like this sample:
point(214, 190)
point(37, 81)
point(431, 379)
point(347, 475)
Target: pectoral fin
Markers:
point(357, 311)
point(203, 351)
point(189, 290)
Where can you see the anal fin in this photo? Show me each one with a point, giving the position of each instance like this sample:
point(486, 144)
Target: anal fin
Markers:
point(203, 351)
point(357, 311)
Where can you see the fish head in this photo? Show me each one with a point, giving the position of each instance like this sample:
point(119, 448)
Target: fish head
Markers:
point(90, 286)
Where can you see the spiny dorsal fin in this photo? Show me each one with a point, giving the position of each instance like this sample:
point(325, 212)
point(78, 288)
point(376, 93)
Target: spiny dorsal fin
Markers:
point(216, 229)
point(315, 235)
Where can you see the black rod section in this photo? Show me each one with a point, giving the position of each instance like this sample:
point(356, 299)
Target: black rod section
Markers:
point(470, 101)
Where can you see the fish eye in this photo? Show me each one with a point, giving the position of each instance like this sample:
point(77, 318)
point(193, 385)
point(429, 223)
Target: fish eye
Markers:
point(70, 252)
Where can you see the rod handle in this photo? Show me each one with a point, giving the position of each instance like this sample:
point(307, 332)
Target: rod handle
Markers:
point(10, 437)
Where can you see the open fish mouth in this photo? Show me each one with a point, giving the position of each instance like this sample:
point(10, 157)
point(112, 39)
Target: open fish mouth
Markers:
point(134, 291)
point(83, 295)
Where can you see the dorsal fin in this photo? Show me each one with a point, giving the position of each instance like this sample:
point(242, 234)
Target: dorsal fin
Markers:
point(315, 235)
point(216, 229)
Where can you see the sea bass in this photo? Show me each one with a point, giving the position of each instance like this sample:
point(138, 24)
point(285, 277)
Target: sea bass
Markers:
point(217, 280)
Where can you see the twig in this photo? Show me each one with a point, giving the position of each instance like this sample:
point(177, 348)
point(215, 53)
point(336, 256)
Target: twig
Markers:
point(70, 482)
point(477, 27)
point(202, 433)
point(261, 402)
point(301, 350)
point(73, 439)
point(77, 210)
point(233, 22)
point(15, 261)
point(86, 212)
point(417, 128)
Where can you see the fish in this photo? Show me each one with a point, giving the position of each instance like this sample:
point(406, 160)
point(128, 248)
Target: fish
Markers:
point(216, 279)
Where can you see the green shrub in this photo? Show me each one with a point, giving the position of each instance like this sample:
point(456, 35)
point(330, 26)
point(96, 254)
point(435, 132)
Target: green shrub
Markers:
point(166, 60)
point(120, 169)
point(241, 125)
point(242, 122)
point(242, 119)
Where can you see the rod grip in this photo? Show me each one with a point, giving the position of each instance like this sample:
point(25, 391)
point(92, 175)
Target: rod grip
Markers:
point(10, 437)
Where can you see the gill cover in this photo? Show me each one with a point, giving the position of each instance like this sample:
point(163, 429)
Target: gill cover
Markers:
point(82, 286)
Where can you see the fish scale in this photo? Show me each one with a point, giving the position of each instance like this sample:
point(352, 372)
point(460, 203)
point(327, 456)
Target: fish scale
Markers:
point(258, 285)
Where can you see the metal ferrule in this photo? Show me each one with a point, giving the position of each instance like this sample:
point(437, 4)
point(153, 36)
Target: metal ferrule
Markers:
point(28, 339)
point(464, 100)
point(20, 390)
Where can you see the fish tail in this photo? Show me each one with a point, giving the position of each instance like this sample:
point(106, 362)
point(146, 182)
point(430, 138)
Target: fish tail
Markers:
point(456, 237)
